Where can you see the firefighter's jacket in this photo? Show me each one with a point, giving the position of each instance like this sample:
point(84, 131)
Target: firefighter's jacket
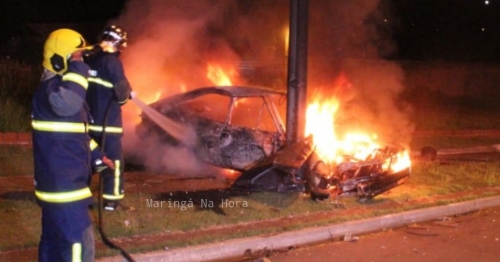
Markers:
point(61, 143)
point(108, 90)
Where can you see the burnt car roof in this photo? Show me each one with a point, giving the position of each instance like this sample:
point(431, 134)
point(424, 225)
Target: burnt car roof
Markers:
point(230, 91)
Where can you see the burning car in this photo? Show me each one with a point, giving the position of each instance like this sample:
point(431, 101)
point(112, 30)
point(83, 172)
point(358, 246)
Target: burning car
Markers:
point(235, 127)
point(240, 128)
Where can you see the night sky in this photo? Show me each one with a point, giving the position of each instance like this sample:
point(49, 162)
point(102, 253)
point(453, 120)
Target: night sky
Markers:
point(466, 30)
point(456, 30)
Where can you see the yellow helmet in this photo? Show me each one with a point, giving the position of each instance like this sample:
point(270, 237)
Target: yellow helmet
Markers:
point(58, 47)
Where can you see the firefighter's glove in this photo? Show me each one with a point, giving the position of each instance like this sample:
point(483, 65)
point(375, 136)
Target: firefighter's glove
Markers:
point(103, 163)
point(133, 94)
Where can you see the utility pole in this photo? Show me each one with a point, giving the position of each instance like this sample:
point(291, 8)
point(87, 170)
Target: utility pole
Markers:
point(297, 71)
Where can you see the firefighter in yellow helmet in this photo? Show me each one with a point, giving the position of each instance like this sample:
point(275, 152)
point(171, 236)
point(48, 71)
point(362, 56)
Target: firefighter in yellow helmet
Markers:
point(62, 150)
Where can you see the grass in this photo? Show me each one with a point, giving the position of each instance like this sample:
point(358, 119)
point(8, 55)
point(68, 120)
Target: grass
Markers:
point(452, 142)
point(18, 224)
point(17, 84)
point(15, 160)
point(430, 184)
point(461, 176)
point(428, 179)
point(452, 117)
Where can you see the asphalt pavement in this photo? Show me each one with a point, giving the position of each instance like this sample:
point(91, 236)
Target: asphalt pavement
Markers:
point(471, 237)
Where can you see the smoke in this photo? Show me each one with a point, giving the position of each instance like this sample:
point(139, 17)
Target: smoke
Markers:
point(352, 39)
point(181, 161)
point(169, 45)
point(373, 102)
point(171, 42)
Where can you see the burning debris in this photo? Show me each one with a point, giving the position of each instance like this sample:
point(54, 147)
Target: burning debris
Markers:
point(365, 178)
point(378, 173)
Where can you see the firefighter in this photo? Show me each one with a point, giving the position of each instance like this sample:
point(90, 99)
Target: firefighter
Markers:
point(61, 151)
point(109, 90)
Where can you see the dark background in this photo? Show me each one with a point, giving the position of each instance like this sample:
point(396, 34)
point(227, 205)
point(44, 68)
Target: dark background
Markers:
point(26, 23)
point(451, 30)
point(448, 29)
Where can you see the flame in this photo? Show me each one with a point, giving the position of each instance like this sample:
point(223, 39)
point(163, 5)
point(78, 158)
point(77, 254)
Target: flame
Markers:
point(353, 146)
point(183, 88)
point(286, 33)
point(359, 145)
point(231, 174)
point(218, 76)
point(401, 162)
point(320, 124)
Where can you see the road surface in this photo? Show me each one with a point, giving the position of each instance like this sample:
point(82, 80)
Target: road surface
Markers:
point(470, 237)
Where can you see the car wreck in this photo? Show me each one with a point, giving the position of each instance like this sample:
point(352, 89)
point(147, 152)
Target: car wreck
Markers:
point(240, 128)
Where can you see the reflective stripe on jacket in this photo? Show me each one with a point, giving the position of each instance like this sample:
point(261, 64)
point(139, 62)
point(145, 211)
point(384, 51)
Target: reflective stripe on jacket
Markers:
point(63, 197)
point(108, 90)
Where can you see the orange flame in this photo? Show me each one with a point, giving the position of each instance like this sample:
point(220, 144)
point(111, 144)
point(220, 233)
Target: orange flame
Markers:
point(218, 76)
point(320, 123)
point(401, 161)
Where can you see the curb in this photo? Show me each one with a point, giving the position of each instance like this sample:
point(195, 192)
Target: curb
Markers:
point(234, 249)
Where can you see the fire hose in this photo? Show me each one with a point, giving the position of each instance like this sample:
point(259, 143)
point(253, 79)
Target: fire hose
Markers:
point(186, 139)
point(105, 239)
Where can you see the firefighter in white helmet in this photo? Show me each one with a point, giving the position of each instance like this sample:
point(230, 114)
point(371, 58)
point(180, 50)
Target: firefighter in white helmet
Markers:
point(109, 90)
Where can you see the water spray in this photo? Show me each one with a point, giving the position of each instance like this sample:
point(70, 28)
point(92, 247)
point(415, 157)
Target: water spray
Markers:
point(182, 133)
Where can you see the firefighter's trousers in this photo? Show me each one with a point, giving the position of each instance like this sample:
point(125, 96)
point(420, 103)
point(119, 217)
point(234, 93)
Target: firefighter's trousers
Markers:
point(67, 233)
